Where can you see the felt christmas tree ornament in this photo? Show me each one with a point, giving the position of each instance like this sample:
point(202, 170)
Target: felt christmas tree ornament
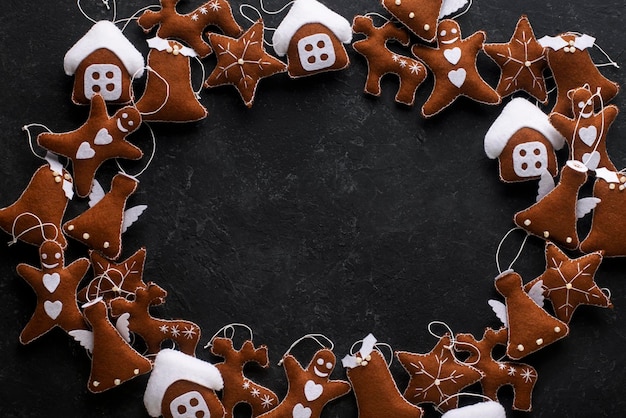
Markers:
point(419, 16)
point(155, 331)
point(497, 373)
point(103, 62)
point(242, 62)
point(190, 27)
point(522, 61)
point(453, 64)
point(437, 375)
point(572, 67)
point(586, 132)
point(183, 386)
point(382, 61)
point(312, 37)
point(55, 285)
point(376, 392)
point(524, 142)
point(100, 138)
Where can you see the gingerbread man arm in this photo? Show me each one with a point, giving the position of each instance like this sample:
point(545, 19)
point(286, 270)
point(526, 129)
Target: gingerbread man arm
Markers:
point(29, 273)
point(290, 363)
point(476, 40)
point(79, 268)
point(337, 388)
point(610, 113)
point(427, 54)
point(98, 108)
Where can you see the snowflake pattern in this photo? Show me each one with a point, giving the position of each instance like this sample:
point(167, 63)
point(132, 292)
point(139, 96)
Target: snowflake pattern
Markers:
point(528, 375)
point(194, 17)
point(267, 401)
point(215, 5)
point(415, 68)
point(246, 384)
point(189, 332)
point(511, 371)
point(175, 331)
point(164, 329)
point(402, 63)
point(255, 393)
point(203, 10)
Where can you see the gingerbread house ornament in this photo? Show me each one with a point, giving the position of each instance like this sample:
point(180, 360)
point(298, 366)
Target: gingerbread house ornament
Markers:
point(105, 62)
point(312, 37)
point(524, 142)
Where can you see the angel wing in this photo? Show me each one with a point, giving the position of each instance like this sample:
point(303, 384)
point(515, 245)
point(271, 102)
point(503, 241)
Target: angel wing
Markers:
point(450, 6)
point(84, 338)
point(122, 326)
point(499, 309)
point(553, 42)
point(131, 215)
point(607, 175)
point(586, 205)
point(97, 193)
point(584, 41)
point(546, 185)
point(536, 293)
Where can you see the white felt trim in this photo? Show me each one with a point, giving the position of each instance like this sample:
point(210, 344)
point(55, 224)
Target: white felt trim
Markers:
point(104, 34)
point(304, 12)
point(161, 44)
point(489, 409)
point(171, 366)
point(557, 43)
point(517, 114)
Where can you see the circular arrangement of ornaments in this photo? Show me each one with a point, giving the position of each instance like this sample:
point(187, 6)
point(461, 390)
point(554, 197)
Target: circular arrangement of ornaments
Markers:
point(312, 209)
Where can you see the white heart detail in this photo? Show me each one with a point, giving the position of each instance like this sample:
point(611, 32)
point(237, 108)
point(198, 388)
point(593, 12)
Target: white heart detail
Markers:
point(51, 281)
point(452, 55)
point(299, 411)
point(457, 77)
point(103, 137)
point(53, 309)
point(588, 135)
point(591, 160)
point(312, 391)
point(85, 151)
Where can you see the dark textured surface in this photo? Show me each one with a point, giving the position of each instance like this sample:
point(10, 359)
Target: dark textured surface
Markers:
point(318, 210)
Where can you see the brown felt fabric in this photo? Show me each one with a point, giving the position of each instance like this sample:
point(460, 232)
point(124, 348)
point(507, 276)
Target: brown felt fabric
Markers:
point(101, 56)
point(419, 16)
point(172, 407)
point(523, 136)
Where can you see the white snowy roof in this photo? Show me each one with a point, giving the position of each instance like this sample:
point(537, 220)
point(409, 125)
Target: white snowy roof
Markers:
point(104, 34)
point(518, 114)
point(171, 366)
point(304, 12)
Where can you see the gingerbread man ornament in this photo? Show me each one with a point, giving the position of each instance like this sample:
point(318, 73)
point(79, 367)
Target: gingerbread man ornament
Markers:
point(55, 285)
point(453, 64)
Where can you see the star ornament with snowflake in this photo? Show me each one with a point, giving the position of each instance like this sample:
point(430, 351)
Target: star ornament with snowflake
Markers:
point(522, 61)
point(436, 376)
point(569, 283)
point(242, 62)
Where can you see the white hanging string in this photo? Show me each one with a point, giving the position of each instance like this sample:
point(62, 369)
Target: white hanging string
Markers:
point(376, 346)
point(26, 128)
point(154, 146)
point(197, 93)
point(313, 337)
point(611, 62)
point(385, 18)
point(134, 15)
point(40, 225)
point(519, 252)
point(456, 395)
point(249, 19)
point(106, 3)
point(227, 328)
point(167, 89)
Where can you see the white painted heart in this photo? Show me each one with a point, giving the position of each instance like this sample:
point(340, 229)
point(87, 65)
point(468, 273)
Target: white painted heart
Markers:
point(588, 135)
point(299, 411)
point(457, 77)
point(103, 137)
point(453, 55)
point(53, 309)
point(591, 160)
point(312, 391)
point(85, 151)
point(51, 281)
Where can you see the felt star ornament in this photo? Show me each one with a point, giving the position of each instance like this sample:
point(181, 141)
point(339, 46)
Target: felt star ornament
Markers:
point(522, 61)
point(437, 375)
point(101, 138)
point(569, 283)
point(242, 62)
point(453, 63)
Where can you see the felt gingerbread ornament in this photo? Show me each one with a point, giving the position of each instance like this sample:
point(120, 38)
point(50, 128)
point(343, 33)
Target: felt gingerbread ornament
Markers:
point(382, 61)
point(37, 214)
point(101, 226)
point(238, 388)
point(242, 62)
point(586, 132)
point(55, 285)
point(437, 375)
point(312, 37)
point(558, 208)
point(103, 62)
point(112, 279)
point(183, 386)
point(608, 229)
point(529, 326)
point(100, 138)
point(190, 27)
point(420, 16)
point(453, 64)
point(169, 95)
point(155, 331)
point(497, 373)
point(376, 392)
point(310, 388)
point(524, 142)
point(572, 67)
point(113, 360)
point(522, 61)
point(569, 283)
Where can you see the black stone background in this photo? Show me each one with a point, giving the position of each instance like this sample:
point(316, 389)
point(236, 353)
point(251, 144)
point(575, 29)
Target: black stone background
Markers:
point(319, 210)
